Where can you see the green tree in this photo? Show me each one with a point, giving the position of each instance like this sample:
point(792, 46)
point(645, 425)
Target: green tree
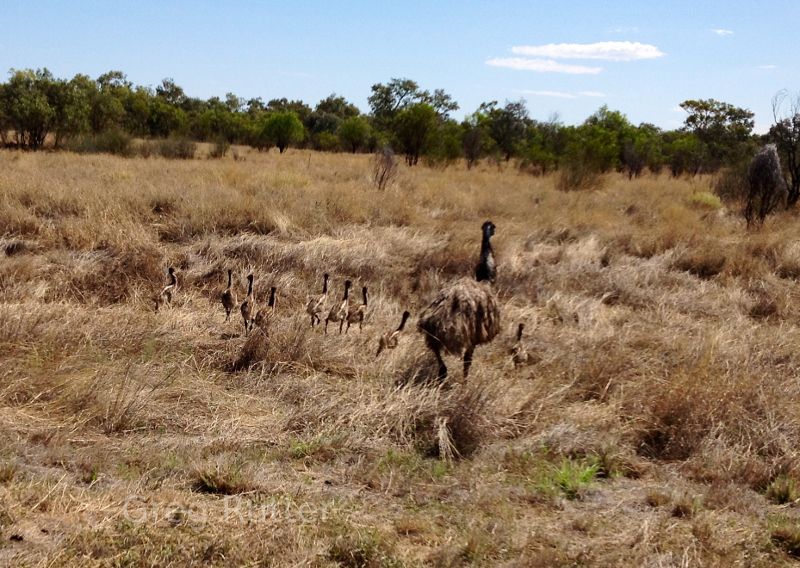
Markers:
point(282, 129)
point(299, 108)
point(71, 101)
point(724, 129)
point(475, 139)
point(27, 108)
point(337, 106)
point(507, 125)
point(165, 119)
point(413, 128)
point(387, 101)
point(170, 92)
point(353, 133)
point(444, 146)
point(684, 153)
point(644, 150)
point(137, 111)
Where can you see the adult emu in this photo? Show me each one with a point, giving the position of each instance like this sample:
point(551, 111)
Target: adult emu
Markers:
point(465, 314)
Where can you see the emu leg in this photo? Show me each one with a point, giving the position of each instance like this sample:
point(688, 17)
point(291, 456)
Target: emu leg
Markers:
point(341, 324)
point(326, 326)
point(442, 367)
point(312, 321)
point(468, 360)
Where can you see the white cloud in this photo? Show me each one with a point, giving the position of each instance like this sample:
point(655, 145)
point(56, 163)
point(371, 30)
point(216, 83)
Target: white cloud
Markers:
point(721, 31)
point(542, 66)
point(591, 94)
point(767, 67)
point(606, 50)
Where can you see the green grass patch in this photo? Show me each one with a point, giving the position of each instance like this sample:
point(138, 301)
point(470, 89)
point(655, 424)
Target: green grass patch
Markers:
point(783, 489)
point(705, 200)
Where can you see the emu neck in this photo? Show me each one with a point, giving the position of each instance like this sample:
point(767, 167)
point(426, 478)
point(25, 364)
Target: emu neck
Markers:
point(250, 287)
point(402, 322)
point(230, 279)
point(486, 267)
point(325, 286)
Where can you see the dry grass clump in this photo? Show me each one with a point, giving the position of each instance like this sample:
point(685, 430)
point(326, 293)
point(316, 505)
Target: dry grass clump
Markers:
point(702, 262)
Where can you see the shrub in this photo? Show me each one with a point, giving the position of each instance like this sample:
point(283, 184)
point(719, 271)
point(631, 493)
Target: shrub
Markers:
point(220, 148)
point(114, 142)
point(177, 148)
point(577, 175)
point(384, 167)
point(326, 142)
point(730, 185)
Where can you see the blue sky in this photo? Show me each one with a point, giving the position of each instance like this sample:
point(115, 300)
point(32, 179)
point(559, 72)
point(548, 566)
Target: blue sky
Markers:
point(569, 57)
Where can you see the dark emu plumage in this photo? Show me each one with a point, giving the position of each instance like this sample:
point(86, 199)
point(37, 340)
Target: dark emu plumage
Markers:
point(464, 314)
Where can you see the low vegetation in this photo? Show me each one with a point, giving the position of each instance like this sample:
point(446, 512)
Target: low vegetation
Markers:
point(654, 422)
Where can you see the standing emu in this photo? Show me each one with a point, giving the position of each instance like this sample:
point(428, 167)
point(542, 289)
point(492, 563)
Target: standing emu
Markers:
point(248, 307)
point(465, 314)
point(766, 185)
point(228, 297)
point(165, 296)
point(317, 304)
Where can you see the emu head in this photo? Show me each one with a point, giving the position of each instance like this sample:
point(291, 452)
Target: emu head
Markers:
point(488, 229)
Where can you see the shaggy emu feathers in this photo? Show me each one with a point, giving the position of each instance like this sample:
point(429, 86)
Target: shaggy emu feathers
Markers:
point(463, 315)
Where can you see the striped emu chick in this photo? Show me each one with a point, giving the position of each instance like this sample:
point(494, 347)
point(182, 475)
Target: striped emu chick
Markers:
point(228, 297)
point(265, 315)
point(248, 307)
point(166, 293)
point(390, 339)
point(317, 304)
point(464, 314)
point(519, 354)
point(338, 313)
point(358, 314)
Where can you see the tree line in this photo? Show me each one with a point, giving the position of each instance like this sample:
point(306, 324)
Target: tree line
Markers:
point(37, 108)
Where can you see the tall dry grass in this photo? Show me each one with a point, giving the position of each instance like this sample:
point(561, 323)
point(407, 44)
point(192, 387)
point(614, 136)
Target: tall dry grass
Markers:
point(656, 424)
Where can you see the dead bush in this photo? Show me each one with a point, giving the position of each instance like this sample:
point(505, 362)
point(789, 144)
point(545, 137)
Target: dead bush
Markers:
point(766, 187)
point(384, 167)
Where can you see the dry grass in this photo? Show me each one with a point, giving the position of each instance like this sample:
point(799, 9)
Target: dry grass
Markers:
point(657, 424)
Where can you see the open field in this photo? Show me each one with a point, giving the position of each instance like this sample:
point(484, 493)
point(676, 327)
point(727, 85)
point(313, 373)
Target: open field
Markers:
point(657, 424)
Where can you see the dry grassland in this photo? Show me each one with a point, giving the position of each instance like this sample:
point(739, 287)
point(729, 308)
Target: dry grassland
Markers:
point(656, 425)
